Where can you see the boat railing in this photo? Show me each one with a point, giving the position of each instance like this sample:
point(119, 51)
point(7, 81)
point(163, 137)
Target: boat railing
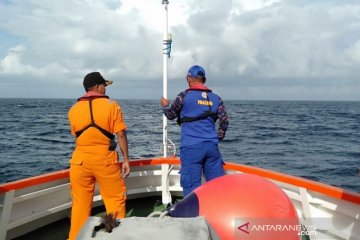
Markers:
point(31, 203)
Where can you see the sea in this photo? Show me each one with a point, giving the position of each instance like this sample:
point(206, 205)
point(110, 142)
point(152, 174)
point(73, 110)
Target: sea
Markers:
point(316, 140)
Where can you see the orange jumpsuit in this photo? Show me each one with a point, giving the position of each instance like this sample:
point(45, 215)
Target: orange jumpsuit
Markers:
point(92, 161)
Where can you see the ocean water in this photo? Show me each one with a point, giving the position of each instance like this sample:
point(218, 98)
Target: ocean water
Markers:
point(317, 140)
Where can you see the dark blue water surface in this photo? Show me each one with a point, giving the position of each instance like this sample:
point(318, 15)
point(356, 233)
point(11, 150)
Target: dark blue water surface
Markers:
point(315, 140)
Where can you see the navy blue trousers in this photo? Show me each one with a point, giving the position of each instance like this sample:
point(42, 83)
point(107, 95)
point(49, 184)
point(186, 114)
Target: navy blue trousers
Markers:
point(196, 160)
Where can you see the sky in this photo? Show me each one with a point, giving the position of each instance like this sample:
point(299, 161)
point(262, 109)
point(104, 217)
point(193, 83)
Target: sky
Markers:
point(250, 49)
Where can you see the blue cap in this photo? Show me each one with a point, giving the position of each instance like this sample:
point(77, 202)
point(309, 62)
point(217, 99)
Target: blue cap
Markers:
point(196, 71)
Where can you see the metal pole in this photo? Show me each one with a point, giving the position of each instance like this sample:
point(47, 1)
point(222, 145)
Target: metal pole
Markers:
point(166, 196)
point(165, 73)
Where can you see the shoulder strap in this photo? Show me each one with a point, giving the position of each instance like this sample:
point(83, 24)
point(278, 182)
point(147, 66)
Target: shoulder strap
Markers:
point(93, 124)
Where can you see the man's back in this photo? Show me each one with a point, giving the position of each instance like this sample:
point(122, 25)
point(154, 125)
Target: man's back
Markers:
point(92, 144)
point(104, 114)
point(197, 103)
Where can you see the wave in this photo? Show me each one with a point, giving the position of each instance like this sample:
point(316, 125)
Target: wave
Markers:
point(316, 140)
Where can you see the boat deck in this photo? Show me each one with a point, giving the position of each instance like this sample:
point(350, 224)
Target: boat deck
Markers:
point(140, 207)
point(59, 230)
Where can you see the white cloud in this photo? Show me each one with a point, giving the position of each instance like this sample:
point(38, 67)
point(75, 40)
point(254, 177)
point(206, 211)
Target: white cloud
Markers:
point(258, 44)
point(11, 63)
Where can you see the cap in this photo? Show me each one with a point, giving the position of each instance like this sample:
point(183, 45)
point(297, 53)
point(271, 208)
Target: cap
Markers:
point(93, 79)
point(196, 71)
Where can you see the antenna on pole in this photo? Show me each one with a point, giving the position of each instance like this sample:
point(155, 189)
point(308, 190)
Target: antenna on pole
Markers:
point(167, 39)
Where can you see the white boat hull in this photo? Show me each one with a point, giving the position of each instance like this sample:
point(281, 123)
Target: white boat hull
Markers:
point(28, 204)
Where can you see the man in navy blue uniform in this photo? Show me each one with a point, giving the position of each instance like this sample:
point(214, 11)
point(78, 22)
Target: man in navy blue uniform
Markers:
point(197, 109)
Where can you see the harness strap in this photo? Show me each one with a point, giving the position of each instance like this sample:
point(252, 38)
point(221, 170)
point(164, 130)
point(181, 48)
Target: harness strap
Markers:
point(93, 124)
point(202, 116)
point(205, 115)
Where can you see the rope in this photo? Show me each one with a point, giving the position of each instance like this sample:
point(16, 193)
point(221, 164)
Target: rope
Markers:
point(160, 214)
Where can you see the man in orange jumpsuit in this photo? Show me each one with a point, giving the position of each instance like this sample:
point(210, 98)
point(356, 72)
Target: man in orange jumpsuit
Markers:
point(94, 120)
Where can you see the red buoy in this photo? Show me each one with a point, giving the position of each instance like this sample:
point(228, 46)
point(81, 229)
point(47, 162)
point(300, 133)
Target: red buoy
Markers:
point(246, 206)
point(242, 206)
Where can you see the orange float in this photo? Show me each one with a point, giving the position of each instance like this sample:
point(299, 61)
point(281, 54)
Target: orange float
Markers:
point(242, 206)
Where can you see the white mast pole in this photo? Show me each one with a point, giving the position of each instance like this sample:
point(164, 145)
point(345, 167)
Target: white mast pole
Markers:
point(165, 72)
point(166, 196)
